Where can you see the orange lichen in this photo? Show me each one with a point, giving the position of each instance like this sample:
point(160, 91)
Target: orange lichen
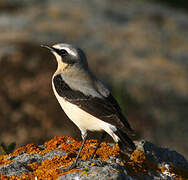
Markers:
point(138, 157)
point(179, 173)
point(139, 165)
point(4, 162)
point(51, 168)
point(2, 176)
point(34, 166)
point(136, 165)
point(72, 170)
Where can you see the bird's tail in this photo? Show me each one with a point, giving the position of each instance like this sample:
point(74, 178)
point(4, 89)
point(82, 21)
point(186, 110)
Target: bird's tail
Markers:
point(125, 143)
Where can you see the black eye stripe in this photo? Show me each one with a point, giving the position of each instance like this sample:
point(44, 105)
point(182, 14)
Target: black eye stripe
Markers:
point(61, 52)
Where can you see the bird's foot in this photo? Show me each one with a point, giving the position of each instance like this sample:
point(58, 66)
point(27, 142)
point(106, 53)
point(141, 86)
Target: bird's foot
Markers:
point(72, 166)
point(91, 157)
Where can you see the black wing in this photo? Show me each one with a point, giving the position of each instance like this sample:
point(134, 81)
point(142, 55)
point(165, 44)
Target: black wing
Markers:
point(106, 109)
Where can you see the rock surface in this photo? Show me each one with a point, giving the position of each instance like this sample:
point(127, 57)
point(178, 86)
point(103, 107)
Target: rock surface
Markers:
point(51, 160)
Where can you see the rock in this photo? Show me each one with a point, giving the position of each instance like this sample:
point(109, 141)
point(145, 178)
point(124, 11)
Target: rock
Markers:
point(98, 170)
point(160, 155)
point(19, 164)
point(53, 158)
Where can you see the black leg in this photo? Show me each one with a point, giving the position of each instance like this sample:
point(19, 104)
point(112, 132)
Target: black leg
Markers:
point(73, 165)
point(98, 145)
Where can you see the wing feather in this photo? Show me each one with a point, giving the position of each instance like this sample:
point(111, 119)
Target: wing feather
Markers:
point(104, 108)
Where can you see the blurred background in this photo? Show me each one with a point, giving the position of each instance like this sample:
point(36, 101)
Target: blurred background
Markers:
point(139, 48)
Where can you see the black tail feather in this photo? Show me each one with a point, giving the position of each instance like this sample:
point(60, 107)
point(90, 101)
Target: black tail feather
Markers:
point(125, 142)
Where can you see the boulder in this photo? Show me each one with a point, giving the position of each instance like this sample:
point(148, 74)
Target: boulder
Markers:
point(51, 160)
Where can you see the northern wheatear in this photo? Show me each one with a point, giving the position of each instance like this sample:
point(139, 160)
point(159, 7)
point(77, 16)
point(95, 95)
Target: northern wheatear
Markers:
point(85, 100)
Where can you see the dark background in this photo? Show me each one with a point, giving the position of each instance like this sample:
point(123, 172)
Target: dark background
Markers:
point(138, 48)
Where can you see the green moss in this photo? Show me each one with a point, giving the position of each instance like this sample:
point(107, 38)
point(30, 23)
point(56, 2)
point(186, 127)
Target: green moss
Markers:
point(6, 149)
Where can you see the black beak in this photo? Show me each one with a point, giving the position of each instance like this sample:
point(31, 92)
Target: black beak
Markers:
point(48, 47)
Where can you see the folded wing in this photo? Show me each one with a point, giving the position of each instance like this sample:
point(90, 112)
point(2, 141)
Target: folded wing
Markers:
point(104, 108)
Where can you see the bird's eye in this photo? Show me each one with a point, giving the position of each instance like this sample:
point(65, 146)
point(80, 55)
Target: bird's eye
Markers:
point(63, 52)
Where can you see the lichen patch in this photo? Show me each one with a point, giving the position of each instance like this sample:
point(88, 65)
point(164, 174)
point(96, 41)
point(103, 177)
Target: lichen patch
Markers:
point(57, 154)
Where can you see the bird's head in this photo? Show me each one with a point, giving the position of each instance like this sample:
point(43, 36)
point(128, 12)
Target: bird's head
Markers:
point(68, 55)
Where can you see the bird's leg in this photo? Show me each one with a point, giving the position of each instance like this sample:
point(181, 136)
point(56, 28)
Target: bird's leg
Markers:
point(98, 145)
point(73, 165)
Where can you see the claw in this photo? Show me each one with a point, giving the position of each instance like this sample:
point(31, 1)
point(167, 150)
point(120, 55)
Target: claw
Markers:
point(72, 166)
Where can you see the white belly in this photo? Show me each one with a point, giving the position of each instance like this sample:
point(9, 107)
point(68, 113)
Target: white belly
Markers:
point(83, 120)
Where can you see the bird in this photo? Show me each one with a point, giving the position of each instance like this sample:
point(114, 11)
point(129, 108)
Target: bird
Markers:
point(86, 100)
